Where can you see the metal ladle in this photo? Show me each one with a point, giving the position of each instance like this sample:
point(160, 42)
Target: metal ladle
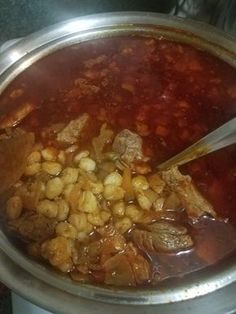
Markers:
point(223, 136)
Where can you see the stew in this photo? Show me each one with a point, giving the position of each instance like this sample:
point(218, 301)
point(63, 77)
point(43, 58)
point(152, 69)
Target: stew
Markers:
point(81, 133)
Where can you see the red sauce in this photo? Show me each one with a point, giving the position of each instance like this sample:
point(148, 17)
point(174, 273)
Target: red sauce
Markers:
point(170, 93)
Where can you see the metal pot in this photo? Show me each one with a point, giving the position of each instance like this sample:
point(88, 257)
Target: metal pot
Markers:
point(32, 48)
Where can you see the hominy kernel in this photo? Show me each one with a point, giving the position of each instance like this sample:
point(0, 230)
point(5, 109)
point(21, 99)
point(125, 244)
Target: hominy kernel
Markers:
point(47, 208)
point(140, 183)
point(61, 157)
point(14, 207)
point(113, 193)
point(67, 190)
point(158, 204)
point(69, 175)
point(113, 178)
point(80, 155)
point(63, 210)
point(144, 202)
point(118, 209)
point(66, 230)
point(34, 157)
point(133, 212)
point(49, 154)
point(123, 224)
point(79, 221)
point(105, 216)
point(87, 202)
point(87, 164)
point(156, 183)
point(82, 236)
point(95, 220)
point(54, 188)
point(51, 167)
point(96, 187)
point(32, 169)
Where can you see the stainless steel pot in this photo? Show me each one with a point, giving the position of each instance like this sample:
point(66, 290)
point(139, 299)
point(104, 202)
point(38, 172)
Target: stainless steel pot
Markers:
point(28, 50)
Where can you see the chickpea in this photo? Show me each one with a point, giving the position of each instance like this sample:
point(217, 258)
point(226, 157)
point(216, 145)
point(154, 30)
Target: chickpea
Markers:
point(63, 210)
point(80, 155)
point(123, 224)
point(14, 207)
point(95, 220)
point(87, 164)
point(49, 154)
point(69, 175)
point(32, 169)
point(113, 193)
point(34, 157)
point(144, 202)
point(47, 208)
point(113, 178)
point(140, 183)
point(118, 209)
point(66, 230)
point(87, 202)
point(51, 167)
point(133, 212)
point(54, 188)
point(79, 221)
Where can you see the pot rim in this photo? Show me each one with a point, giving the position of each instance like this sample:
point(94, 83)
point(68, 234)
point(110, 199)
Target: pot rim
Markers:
point(21, 55)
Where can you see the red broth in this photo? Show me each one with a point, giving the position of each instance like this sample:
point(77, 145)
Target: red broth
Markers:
point(170, 93)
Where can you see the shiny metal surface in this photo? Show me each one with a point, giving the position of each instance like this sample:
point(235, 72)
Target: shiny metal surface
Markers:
point(25, 52)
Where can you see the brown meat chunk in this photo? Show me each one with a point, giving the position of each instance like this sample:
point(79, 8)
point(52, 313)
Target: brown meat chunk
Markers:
point(13, 156)
point(162, 237)
point(196, 205)
point(128, 145)
point(32, 226)
point(72, 131)
point(14, 117)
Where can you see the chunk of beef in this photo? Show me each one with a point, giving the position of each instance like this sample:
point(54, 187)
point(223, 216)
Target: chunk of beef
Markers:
point(128, 145)
point(162, 236)
point(14, 117)
point(32, 226)
point(196, 205)
point(72, 131)
point(13, 156)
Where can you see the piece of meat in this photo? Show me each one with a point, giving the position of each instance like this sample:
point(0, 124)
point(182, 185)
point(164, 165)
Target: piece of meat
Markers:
point(72, 131)
point(13, 156)
point(14, 117)
point(128, 145)
point(32, 226)
point(163, 236)
point(195, 204)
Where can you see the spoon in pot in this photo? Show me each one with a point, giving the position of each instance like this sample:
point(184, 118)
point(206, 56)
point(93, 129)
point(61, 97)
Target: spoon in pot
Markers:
point(224, 136)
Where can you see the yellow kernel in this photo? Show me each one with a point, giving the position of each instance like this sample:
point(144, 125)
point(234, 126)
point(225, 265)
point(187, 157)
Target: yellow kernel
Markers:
point(33, 157)
point(158, 204)
point(66, 230)
point(133, 213)
point(140, 183)
point(113, 178)
point(87, 202)
point(95, 220)
point(63, 210)
point(113, 193)
point(118, 209)
point(32, 169)
point(156, 183)
point(51, 167)
point(80, 155)
point(87, 164)
point(54, 188)
point(49, 154)
point(123, 224)
point(144, 202)
point(82, 236)
point(79, 221)
point(67, 190)
point(61, 157)
point(96, 187)
point(14, 207)
point(69, 175)
point(47, 208)
point(105, 216)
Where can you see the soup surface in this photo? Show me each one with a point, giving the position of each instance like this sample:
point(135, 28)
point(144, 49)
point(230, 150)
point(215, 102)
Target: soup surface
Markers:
point(82, 131)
